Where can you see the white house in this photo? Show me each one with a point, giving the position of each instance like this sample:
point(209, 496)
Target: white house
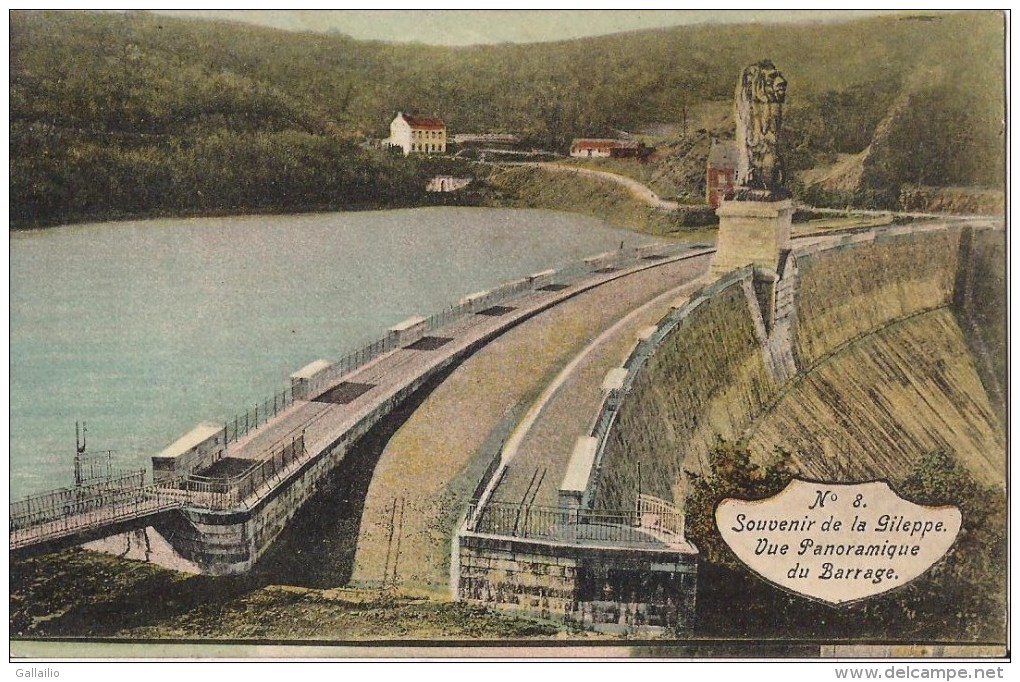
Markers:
point(417, 135)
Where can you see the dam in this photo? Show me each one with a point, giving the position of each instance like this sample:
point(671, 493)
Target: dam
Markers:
point(861, 355)
point(563, 521)
point(222, 493)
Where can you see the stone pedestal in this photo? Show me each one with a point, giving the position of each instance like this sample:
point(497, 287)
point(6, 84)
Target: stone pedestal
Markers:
point(752, 233)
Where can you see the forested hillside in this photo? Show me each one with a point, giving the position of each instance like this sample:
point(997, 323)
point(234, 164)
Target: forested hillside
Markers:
point(136, 113)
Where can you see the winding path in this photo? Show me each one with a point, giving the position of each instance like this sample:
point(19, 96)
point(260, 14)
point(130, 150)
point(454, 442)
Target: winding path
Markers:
point(642, 192)
point(646, 195)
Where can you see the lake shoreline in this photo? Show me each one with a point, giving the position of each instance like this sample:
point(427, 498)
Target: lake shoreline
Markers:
point(497, 187)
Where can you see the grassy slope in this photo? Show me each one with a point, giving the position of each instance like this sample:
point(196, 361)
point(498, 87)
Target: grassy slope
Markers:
point(85, 594)
point(528, 187)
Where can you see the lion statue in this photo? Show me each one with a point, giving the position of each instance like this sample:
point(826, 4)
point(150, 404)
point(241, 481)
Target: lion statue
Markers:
point(759, 112)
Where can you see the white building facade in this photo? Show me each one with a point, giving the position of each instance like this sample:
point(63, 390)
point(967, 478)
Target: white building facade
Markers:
point(418, 135)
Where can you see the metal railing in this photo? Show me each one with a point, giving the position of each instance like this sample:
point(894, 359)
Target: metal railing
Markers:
point(110, 507)
point(578, 526)
point(354, 360)
point(487, 475)
point(658, 514)
point(228, 492)
point(249, 420)
point(93, 467)
point(446, 316)
point(63, 512)
point(55, 504)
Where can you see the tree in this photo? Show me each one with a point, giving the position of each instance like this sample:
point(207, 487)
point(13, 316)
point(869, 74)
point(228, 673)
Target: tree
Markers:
point(733, 474)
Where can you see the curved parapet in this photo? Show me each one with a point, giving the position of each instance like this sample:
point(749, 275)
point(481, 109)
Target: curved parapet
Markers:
point(708, 351)
point(851, 357)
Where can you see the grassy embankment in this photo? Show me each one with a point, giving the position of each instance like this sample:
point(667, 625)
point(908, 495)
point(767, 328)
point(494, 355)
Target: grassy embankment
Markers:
point(643, 172)
point(114, 598)
point(438, 455)
point(530, 187)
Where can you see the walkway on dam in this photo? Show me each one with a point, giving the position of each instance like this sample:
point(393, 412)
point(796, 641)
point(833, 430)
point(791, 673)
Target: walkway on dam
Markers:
point(431, 465)
point(83, 521)
point(342, 406)
point(325, 417)
point(537, 458)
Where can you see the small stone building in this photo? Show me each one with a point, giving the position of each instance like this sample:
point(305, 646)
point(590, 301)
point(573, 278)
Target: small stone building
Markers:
point(606, 148)
point(446, 183)
point(721, 178)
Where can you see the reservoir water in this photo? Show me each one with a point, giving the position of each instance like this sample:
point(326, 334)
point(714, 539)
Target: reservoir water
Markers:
point(144, 329)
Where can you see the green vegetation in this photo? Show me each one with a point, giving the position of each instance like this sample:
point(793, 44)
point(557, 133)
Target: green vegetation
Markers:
point(645, 173)
point(69, 177)
point(962, 598)
point(85, 594)
point(531, 187)
point(733, 474)
point(123, 114)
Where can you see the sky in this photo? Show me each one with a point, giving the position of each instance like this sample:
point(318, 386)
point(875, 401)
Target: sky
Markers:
point(468, 27)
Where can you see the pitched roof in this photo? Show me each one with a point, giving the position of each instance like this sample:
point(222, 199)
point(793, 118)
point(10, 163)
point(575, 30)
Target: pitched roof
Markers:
point(723, 154)
point(599, 143)
point(424, 123)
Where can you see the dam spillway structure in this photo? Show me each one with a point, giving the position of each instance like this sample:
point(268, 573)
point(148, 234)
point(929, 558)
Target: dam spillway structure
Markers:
point(866, 357)
point(859, 354)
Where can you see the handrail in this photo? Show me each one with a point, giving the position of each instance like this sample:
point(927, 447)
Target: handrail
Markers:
point(111, 508)
point(245, 422)
point(226, 492)
point(57, 511)
point(653, 522)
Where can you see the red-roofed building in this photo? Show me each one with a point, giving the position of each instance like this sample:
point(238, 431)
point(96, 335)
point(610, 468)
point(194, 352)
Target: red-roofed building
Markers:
point(417, 134)
point(603, 148)
point(721, 178)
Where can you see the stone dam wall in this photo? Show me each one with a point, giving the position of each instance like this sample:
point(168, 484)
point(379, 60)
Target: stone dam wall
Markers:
point(850, 290)
point(707, 378)
point(855, 361)
point(980, 304)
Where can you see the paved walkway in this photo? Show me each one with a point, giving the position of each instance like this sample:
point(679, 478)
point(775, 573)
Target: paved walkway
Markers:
point(384, 381)
point(433, 462)
point(546, 443)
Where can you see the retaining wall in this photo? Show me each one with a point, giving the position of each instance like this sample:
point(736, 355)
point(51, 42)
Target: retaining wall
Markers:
point(875, 310)
point(609, 589)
